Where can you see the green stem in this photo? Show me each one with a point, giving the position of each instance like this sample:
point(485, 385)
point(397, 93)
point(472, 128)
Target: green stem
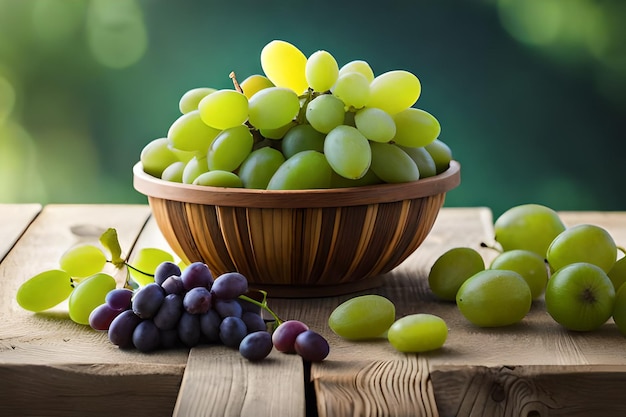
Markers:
point(263, 305)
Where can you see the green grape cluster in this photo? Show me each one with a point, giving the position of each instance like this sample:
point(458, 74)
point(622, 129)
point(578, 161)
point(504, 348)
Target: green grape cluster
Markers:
point(304, 123)
point(578, 271)
point(80, 278)
point(372, 316)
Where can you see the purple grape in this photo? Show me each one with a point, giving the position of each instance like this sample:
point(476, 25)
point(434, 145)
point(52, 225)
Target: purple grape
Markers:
point(165, 270)
point(230, 285)
point(169, 338)
point(226, 308)
point(232, 331)
point(189, 329)
point(197, 300)
point(169, 313)
point(256, 346)
point(146, 336)
point(248, 306)
point(101, 317)
point(173, 285)
point(122, 328)
point(119, 298)
point(254, 322)
point(210, 326)
point(311, 346)
point(147, 300)
point(284, 337)
point(197, 275)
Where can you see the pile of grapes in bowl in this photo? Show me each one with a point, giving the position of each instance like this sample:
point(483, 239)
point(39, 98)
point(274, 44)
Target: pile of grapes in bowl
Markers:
point(310, 179)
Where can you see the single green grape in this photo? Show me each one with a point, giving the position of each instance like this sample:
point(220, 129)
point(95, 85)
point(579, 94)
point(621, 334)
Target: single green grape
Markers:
point(321, 71)
point(348, 152)
point(528, 264)
point(145, 262)
point(83, 260)
point(424, 161)
point(284, 64)
point(174, 172)
point(196, 166)
point(391, 164)
point(190, 133)
point(415, 127)
point(325, 112)
point(273, 108)
point(452, 269)
point(353, 88)
point(45, 290)
point(375, 124)
point(528, 226)
point(190, 100)
point(583, 243)
point(156, 156)
point(358, 66)
point(441, 154)
point(418, 333)
point(617, 274)
point(494, 298)
point(89, 294)
point(224, 109)
point(255, 83)
point(259, 167)
point(230, 148)
point(304, 170)
point(362, 317)
point(302, 138)
point(219, 178)
point(394, 91)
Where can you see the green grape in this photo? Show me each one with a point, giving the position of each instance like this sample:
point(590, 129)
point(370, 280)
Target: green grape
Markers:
point(183, 156)
point(394, 91)
point(230, 148)
point(452, 269)
point(352, 88)
point(338, 181)
point(619, 310)
point(321, 71)
point(174, 172)
point(44, 290)
point(441, 154)
point(617, 274)
point(583, 243)
point(418, 333)
point(302, 138)
point(415, 127)
point(83, 260)
point(224, 109)
point(391, 164)
point(494, 298)
point(255, 83)
point(362, 67)
point(528, 226)
point(348, 119)
point(284, 64)
point(273, 107)
point(304, 170)
point(375, 124)
point(156, 156)
point(259, 167)
point(277, 133)
point(190, 133)
point(145, 262)
point(425, 163)
point(89, 294)
point(193, 168)
point(528, 264)
point(348, 152)
point(190, 100)
point(219, 178)
point(325, 113)
point(362, 317)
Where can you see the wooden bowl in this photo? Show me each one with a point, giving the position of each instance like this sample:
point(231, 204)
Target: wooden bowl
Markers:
point(298, 243)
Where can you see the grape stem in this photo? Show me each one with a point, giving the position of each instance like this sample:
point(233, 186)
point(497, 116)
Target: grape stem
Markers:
point(263, 305)
point(233, 77)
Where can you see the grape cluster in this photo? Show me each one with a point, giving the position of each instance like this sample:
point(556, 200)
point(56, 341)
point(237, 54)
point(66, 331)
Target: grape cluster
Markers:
point(305, 123)
point(190, 307)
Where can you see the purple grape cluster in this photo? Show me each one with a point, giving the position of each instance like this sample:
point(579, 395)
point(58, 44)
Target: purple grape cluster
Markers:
point(189, 307)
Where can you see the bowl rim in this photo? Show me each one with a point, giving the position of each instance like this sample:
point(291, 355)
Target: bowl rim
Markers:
point(310, 198)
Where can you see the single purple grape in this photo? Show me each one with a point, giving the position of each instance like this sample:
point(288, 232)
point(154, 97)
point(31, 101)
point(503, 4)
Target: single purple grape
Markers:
point(311, 346)
point(169, 313)
point(256, 346)
point(147, 300)
point(226, 308)
point(210, 326)
point(197, 300)
point(101, 317)
point(173, 285)
point(146, 337)
point(230, 285)
point(119, 298)
point(195, 275)
point(189, 329)
point(122, 328)
point(232, 331)
point(165, 270)
point(284, 337)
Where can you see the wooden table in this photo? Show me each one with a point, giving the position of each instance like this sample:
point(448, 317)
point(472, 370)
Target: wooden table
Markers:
point(50, 366)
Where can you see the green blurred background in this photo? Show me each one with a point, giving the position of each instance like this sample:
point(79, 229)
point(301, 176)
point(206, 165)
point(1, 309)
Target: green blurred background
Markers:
point(531, 94)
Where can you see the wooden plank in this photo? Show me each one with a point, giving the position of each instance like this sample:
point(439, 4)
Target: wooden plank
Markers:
point(50, 365)
point(15, 219)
